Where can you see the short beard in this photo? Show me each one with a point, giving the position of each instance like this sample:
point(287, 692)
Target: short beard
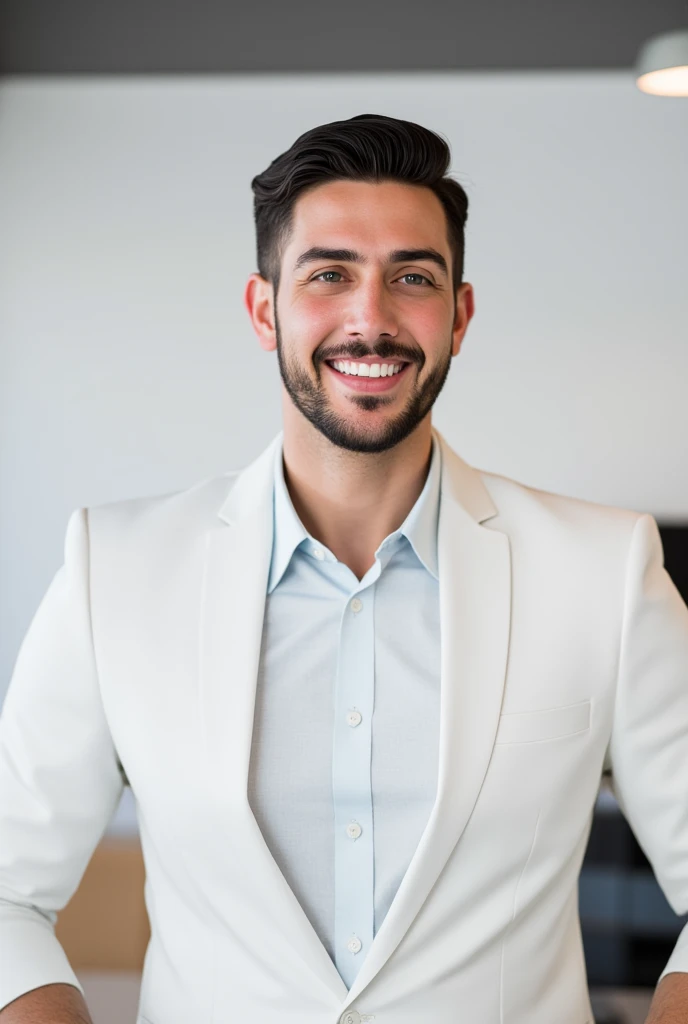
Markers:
point(311, 399)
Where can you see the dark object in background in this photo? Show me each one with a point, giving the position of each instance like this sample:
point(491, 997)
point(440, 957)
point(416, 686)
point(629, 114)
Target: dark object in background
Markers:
point(605, 1013)
point(675, 541)
point(629, 930)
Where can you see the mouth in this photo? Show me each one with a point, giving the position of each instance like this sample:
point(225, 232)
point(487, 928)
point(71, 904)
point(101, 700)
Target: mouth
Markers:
point(369, 384)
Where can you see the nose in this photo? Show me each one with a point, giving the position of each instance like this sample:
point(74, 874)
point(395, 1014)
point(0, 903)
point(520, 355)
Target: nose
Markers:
point(370, 312)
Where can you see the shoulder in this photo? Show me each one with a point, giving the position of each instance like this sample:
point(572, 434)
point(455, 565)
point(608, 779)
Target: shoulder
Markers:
point(514, 497)
point(514, 506)
point(179, 513)
point(555, 522)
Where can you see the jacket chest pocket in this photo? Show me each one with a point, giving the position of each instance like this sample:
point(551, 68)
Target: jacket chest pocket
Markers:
point(548, 724)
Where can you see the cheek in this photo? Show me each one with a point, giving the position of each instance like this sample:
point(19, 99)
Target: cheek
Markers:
point(312, 320)
point(430, 322)
point(430, 329)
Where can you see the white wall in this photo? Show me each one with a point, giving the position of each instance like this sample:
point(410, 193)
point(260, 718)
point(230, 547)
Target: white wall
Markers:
point(128, 365)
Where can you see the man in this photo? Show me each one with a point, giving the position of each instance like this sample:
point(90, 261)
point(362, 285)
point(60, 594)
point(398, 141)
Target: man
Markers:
point(363, 692)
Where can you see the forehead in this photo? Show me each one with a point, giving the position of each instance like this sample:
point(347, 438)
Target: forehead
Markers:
point(376, 215)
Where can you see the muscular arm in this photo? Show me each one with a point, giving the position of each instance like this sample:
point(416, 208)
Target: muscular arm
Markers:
point(49, 1004)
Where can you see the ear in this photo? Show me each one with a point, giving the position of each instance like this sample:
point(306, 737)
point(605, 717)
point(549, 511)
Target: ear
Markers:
point(259, 300)
point(465, 308)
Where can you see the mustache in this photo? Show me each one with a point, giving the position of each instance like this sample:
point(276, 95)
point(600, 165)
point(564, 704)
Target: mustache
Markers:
point(358, 350)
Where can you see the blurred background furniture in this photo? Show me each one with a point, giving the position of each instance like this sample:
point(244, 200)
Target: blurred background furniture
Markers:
point(105, 925)
point(104, 930)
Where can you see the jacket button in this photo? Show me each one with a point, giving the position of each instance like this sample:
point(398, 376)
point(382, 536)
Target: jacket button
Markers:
point(350, 1017)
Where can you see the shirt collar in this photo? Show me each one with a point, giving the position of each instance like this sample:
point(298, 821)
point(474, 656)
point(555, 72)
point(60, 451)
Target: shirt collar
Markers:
point(419, 527)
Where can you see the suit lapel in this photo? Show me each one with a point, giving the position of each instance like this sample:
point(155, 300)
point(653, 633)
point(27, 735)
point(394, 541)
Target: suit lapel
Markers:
point(474, 588)
point(236, 575)
point(475, 612)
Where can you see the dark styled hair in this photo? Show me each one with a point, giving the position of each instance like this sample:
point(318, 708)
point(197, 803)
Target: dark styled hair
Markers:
point(368, 147)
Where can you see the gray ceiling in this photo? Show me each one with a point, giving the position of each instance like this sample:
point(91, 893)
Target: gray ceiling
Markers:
point(212, 36)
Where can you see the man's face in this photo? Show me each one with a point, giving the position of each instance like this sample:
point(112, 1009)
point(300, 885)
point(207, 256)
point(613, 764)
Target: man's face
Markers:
point(366, 277)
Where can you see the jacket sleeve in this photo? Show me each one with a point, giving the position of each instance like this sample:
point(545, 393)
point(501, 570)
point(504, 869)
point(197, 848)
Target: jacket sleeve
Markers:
point(648, 750)
point(60, 779)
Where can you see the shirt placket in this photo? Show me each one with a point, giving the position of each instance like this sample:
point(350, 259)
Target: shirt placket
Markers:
point(354, 850)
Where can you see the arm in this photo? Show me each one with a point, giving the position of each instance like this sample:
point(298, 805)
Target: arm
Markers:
point(59, 777)
point(670, 1003)
point(648, 749)
point(49, 1004)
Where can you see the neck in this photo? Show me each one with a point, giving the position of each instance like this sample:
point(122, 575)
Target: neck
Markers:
point(350, 501)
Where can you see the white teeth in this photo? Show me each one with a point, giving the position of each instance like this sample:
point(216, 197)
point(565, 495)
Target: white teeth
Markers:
point(367, 369)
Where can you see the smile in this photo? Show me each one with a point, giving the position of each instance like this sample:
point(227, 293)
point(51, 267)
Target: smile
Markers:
point(372, 381)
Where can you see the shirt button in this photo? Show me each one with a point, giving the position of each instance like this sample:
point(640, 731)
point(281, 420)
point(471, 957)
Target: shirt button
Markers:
point(350, 1017)
point(353, 718)
point(353, 830)
point(354, 944)
point(319, 553)
point(356, 604)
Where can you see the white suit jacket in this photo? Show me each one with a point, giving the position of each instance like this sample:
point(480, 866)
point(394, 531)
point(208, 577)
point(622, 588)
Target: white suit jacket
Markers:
point(564, 654)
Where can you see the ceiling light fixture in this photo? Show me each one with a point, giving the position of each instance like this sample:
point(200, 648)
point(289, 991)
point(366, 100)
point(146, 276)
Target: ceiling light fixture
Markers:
point(662, 66)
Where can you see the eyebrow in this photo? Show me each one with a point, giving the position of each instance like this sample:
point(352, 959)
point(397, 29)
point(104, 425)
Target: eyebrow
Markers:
point(316, 253)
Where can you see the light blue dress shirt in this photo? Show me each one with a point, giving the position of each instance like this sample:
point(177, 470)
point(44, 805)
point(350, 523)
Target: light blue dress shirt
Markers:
point(345, 748)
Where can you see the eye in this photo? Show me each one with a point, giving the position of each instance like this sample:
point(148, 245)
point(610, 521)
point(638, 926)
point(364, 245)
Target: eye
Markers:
point(327, 274)
point(419, 277)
